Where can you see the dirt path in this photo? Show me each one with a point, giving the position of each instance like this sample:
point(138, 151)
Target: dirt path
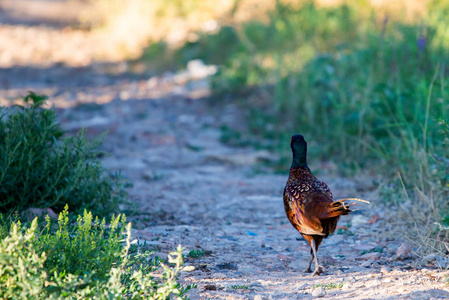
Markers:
point(191, 189)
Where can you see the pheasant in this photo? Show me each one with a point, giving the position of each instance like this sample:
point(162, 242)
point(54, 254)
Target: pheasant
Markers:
point(309, 203)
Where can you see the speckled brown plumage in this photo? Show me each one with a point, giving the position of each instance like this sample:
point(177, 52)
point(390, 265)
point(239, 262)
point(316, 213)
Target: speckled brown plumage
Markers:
point(309, 202)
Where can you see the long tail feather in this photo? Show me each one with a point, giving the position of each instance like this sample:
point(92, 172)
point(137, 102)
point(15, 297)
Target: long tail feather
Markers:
point(340, 208)
point(353, 199)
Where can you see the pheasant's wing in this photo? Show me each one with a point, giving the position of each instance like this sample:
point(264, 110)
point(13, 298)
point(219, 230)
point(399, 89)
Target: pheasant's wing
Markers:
point(322, 187)
point(302, 211)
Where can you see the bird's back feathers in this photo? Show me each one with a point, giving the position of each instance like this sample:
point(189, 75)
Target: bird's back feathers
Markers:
point(307, 200)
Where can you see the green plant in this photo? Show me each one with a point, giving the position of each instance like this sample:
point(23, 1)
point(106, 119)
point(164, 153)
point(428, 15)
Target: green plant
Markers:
point(196, 253)
point(41, 168)
point(238, 287)
point(109, 268)
point(88, 239)
point(329, 286)
point(21, 268)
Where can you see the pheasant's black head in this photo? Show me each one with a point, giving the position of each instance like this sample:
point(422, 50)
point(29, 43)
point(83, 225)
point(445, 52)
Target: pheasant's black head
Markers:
point(299, 149)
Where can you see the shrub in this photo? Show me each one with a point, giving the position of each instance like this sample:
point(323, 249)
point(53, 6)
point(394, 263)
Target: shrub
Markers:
point(40, 168)
point(84, 262)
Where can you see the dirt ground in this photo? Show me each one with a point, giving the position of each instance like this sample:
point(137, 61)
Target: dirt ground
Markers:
point(190, 189)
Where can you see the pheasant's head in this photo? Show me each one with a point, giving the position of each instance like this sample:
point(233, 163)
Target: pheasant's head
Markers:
point(299, 149)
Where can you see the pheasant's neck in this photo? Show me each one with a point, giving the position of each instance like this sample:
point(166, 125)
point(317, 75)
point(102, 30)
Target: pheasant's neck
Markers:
point(299, 160)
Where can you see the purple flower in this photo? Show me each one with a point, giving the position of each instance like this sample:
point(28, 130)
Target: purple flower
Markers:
point(421, 43)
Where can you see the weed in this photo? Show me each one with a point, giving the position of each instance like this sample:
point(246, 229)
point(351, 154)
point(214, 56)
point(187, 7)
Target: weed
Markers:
point(329, 286)
point(196, 253)
point(238, 287)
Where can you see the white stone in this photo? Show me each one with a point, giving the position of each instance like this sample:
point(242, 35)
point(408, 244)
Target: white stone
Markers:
point(319, 292)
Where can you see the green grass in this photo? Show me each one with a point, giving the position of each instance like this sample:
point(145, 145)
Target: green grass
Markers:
point(368, 93)
point(329, 286)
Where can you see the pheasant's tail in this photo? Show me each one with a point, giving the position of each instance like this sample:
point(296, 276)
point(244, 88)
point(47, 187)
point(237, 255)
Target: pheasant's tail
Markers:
point(353, 199)
point(340, 208)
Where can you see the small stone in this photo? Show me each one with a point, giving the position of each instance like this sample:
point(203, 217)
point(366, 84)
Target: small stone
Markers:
point(375, 256)
point(227, 266)
point(319, 292)
point(441, 262)
point(255, 285)
point(219, 275)
point(404, 251)
point(327, 261)
point(387, 280)
point(370, 256)
point(308, 291)
point(367, 263)
point(373, 283)
point(260, 297)
point(346, 287)
point(384, 270)
point(211, 287)
point(31, 213)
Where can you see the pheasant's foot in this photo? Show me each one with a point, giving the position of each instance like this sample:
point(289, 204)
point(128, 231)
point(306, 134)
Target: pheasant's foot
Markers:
point(318, 271)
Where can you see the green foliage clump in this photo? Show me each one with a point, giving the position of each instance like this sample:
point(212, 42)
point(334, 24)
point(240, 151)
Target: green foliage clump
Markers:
point(238, 287)
point(21, 268)
point(88, 238)
point(84, 262)
point(329, 286)
point(41, 168)
point(196, 253)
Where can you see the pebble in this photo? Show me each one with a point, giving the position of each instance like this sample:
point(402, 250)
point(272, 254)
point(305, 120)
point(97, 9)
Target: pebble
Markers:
point(346, 287)
point(373, 283)
point(319, 292)
point(404, 251)
point(442, 262)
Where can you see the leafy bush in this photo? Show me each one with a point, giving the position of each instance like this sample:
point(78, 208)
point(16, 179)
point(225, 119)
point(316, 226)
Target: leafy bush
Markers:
point(21, 268)
point(87, 239)
point(41, 168)
point(84, 262)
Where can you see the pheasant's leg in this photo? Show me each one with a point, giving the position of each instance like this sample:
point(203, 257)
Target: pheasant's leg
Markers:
point(317, 266)
point(309, 270)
